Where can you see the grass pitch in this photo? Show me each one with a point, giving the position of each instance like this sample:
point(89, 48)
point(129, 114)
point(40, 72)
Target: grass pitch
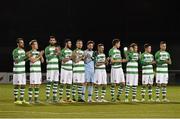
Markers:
point(89, 110)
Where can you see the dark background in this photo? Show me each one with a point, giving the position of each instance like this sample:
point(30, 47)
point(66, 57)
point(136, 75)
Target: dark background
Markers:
point(137, 21)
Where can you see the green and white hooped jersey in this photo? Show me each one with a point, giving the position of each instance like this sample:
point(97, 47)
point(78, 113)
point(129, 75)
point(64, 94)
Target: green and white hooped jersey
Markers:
point(146, 59)
point(115, 54)
point(19, 56)
point(66, 53)
point(132, 65)
point(79, 67)
point(161, 57)
point(36, 66)
point(52, 59)
point(100, 58)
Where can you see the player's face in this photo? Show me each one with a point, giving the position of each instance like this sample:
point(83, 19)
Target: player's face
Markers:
point(101, 49)
point(135, 48)
point(90, 46)
point(52, 41)
point(148, 49)
point(118, 45)
point(21, 44)
point(35, 45)
point(69, 44)
point(79, 44)
point(163, 46)
point(131, 49)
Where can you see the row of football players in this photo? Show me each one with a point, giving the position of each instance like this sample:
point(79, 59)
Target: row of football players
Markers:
point(81, 69)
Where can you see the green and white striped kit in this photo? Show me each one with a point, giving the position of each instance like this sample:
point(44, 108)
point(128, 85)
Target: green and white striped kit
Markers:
point(146, 59)
point(36, 66)
point(132, 65)
point(161, 57)
point(100, 58)
point(115, 54)
point(19, 66)
point(52, 59)
point(66, 53)
point(79, 67)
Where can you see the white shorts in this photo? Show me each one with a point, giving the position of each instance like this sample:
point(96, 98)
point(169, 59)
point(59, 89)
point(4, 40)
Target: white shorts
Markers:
point(78, 77)
point(147, 79)
point(35, 78)
point(162, 78)
point(100, 77)
point(132, 79)
point(117, 75)
point(66, 76)
point(19, 79)
point(53, 76)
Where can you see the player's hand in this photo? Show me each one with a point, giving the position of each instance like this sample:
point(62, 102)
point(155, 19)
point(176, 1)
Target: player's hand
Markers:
point(32, 60)
point(168, 61)
point(65, 60)
point(41, 53)
point(123, 60)
point(57, 51)
point(108, 59)
point(153, 62)
point(29, 54)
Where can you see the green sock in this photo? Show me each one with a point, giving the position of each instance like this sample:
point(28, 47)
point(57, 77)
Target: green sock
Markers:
point(68, 91)
point(48, 89)
point(36, 92)
point(112, 91)
point(127, 91)
point(96, 90)
point(61, 91)
point(103, 93)
point(30, 92)
point(16, 90)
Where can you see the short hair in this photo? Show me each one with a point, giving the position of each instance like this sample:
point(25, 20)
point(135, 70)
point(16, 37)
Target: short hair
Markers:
point(52, 37)
point(18, 39)
point(100, 44)
point(32, 41)
point(67, 40)
point(133, 45)
point(163, 42)
point(79, 40)
point(115, 41)
point(90, 42)
point(146, 45)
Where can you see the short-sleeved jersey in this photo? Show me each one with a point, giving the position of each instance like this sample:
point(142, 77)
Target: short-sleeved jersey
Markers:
point(161, 57)
point(132, 65)
point(100, 57)
point(36, 66)
point(146, 60)
point(66, 53)
point(19, 57)
point(79, 66)
point(51, 58)
point(115, 54)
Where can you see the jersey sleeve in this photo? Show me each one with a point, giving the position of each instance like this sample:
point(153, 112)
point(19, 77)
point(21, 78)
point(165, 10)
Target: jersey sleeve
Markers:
point(16, 56)
point(62, 56)
point(129, 56)
point(110, 53)
point(47, 54)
